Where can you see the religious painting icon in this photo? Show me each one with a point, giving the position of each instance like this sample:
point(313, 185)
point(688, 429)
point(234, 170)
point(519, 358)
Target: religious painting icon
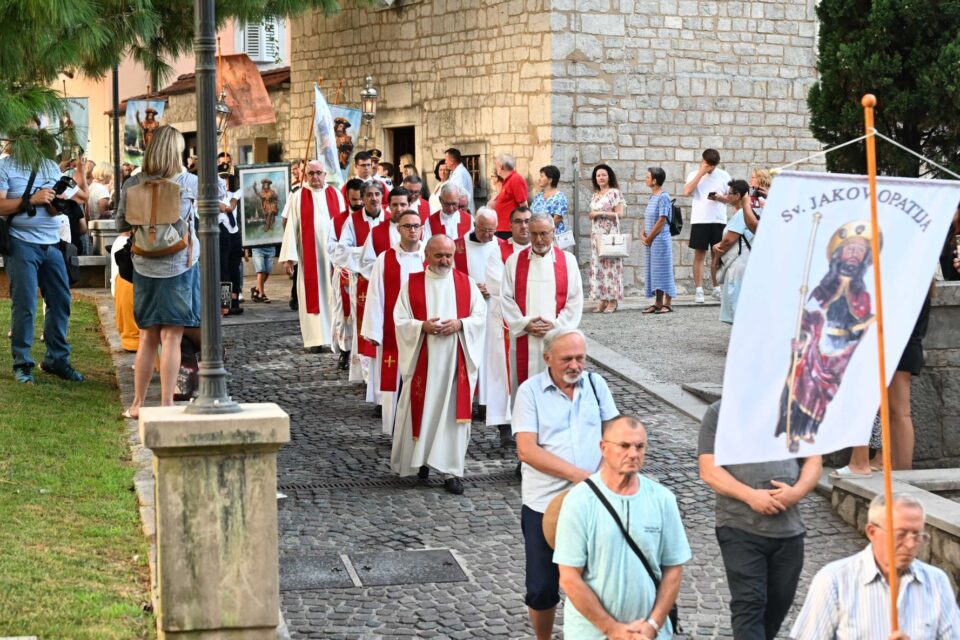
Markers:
point(830, 325)
point(264, 189)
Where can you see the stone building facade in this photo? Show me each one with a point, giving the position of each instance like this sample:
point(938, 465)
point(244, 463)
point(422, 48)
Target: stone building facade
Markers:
point(633, 83)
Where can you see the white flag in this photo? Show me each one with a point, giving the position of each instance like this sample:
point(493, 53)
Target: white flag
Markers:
point(326, 140)
point(801, 375)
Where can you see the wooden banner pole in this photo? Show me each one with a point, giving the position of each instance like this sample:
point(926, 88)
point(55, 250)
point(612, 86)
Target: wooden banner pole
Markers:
point(313, 116)
point(336, 98)
point(869, 102)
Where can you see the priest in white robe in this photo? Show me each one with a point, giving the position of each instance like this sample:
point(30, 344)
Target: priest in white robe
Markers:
point(541, 289)
point(439, 321)
point(349, 252)
point(342, 327)
point(470, 257)
point(451, 220)
point(305, 245)
point(389, 273)
point(496, 373)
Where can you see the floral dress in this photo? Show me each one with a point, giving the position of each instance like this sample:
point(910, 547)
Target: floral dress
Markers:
point(606, 274)
point(556, 205)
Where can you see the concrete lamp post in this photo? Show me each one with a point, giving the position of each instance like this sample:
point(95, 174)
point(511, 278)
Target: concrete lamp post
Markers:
point(214, 461)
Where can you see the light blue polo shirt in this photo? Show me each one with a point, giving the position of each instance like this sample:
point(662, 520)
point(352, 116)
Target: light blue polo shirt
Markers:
point(41, 228)
point(569, 429)
point(588, 537)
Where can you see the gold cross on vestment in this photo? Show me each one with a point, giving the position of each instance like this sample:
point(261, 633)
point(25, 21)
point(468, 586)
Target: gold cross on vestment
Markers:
point(389, 361)
point(363, 298)
point(418, 387)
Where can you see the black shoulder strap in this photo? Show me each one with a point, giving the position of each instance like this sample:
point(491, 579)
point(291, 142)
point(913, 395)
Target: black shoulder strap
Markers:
point(594, 387)
point(26, 192)
point(626, 534)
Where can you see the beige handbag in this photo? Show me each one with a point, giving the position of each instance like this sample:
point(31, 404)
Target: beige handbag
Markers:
point(614, 245)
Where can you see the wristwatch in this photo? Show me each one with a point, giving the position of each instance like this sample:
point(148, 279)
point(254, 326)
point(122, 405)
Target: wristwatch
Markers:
point(653, 623)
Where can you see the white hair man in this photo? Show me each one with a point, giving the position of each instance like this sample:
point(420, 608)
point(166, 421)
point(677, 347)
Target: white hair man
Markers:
point(850, 598)
point(451, 220)
point(305, 246)
point(470, 256)
point(541, 290)
point(513, 193)
point(557, 420)
point(439, 321)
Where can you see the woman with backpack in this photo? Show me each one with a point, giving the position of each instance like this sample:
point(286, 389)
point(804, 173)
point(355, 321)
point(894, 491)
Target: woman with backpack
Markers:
point(157, 207)
point(656, 238)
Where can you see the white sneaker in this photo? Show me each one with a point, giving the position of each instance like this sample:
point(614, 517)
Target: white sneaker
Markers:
point(716, 293)
point(698, 298)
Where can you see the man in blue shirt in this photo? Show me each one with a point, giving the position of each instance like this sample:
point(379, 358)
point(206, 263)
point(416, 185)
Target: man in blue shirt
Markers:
point(557, 420)
point(35, 260)
point(610, 594)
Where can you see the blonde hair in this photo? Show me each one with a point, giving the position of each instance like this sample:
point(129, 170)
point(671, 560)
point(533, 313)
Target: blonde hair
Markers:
point(764, 178)
point(164, 156)
point(103, 172)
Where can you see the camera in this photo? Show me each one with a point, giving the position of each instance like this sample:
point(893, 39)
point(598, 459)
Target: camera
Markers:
point(66, 188)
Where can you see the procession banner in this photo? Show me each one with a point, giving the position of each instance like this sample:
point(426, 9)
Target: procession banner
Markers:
point(143, 118)
point(801, 370)
point(73, 128)
point(325, 138)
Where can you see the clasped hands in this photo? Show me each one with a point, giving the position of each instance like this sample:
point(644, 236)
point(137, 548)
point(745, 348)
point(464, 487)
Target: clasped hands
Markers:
point(436, 326)
point(770, 502)
point(538, 327)
point(636, 630)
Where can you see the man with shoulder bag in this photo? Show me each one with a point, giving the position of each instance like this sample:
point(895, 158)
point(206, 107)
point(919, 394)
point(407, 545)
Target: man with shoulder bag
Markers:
point(557, 420)
point(620, 546)
point(33, 259)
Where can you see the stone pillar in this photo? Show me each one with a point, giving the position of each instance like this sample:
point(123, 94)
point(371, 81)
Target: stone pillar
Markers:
point(216, 506)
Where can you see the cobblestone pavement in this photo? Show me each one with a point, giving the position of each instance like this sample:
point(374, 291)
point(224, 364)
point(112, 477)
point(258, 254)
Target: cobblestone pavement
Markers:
point(342, 499)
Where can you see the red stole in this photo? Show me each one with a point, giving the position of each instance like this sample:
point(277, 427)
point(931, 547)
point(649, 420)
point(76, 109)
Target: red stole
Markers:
point(506, 250)
point(344, 278)
point(361, 229)
point(416, 288)
point(381, 237)
point(423, 208)
point(437, 228)
point(460, 254)
point(389, 351)
point(520, 293)
point(309, 264)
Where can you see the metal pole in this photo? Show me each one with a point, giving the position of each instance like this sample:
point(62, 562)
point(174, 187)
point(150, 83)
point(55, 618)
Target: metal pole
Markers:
point(213, 396)
point(117, 177)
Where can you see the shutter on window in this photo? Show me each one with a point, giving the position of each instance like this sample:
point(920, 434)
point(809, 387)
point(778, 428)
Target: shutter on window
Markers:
point(271, 39)
point(253, 40)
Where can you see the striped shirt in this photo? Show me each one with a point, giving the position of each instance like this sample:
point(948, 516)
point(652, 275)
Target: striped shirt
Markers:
point(849, 600)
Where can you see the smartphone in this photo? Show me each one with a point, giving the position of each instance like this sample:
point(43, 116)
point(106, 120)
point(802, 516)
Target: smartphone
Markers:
point(711, 195)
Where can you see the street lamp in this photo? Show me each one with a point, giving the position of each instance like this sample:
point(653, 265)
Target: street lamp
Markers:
point(211, 121)
point(368, 104)
point(223, 113)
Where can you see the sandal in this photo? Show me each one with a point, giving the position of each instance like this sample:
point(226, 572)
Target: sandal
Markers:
point(846, 472)
point(255, 295)
point(664, 309)
point(600, 307)
point(652, 309)
point(611, 308)
point(264, 299)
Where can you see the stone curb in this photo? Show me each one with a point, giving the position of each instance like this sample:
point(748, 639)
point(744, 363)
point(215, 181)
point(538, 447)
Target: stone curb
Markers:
point(142, 457)
point(673, 394)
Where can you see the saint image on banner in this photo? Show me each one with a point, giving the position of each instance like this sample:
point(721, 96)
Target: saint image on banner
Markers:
point(833, 322)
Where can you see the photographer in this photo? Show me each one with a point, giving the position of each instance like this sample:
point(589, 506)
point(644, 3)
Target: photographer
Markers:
point(35, 260)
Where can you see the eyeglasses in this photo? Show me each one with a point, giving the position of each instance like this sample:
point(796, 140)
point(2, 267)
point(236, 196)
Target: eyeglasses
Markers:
point(624, 446)
point(523, 221)
point(316, 173)
point(901, 536)
point(485, 229)
point(541, 234)
point(450, 204)
point(410, 227)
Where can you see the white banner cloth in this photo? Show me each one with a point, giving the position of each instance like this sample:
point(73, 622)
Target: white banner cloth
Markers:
point(785, 397)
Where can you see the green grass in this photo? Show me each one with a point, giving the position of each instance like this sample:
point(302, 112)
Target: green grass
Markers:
point(73, 560)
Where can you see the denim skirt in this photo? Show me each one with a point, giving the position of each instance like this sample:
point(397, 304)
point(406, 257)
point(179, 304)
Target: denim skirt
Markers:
point(173, 301)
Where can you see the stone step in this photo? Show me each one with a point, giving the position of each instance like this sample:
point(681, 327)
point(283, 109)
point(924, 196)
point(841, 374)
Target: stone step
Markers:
point(706, 391)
